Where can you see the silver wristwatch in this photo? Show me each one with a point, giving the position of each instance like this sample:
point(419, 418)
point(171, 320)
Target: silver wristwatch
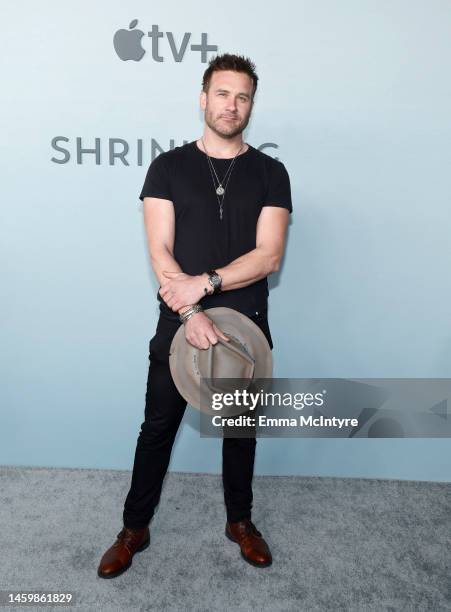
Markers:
point(215, 280)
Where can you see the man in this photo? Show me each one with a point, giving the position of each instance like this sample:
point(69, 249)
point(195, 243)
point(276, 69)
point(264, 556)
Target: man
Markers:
point(216, 212)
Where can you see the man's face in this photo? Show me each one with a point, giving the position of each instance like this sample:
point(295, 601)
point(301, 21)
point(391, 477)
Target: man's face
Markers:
point(228, 103)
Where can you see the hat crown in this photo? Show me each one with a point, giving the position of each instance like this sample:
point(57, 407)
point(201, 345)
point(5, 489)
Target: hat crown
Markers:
point(226, 360)
point(229, 360)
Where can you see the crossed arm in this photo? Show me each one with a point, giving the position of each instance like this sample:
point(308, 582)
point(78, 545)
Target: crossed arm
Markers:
point(180, 290)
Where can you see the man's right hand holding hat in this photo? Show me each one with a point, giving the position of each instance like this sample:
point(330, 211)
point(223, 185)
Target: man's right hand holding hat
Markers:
point(200, 331)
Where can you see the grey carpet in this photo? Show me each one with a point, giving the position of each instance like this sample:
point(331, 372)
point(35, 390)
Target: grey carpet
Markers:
point(337, 544)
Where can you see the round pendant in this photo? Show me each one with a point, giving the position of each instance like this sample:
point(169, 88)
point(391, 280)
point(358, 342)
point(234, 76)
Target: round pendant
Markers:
point(220, 190)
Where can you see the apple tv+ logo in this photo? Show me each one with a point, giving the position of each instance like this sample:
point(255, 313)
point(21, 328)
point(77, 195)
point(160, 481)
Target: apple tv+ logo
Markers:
point(127, 44)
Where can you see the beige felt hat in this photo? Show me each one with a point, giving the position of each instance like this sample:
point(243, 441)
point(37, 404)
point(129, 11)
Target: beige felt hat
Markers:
point(225, 366)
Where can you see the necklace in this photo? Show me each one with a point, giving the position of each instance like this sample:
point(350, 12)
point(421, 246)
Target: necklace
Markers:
point(220, 189)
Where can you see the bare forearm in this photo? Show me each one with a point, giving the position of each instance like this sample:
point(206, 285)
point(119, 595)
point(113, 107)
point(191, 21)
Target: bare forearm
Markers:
point(164, 260)
point(248, 269)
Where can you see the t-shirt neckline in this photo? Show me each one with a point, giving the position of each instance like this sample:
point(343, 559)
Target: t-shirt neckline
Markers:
point(220, 159)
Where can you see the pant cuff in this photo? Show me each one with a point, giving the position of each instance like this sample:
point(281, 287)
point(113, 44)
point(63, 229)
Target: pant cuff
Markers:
point(234, 518)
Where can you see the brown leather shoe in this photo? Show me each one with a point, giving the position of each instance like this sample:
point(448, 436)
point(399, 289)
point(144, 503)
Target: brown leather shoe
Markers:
point(254, 549)
point(118, 557)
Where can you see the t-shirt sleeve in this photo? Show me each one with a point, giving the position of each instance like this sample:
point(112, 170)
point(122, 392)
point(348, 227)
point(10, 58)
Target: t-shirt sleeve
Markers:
point(156, 183)
point(279, 190)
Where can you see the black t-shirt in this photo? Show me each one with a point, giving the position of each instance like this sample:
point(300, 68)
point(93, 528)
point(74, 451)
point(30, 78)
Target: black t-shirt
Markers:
point(202, 240)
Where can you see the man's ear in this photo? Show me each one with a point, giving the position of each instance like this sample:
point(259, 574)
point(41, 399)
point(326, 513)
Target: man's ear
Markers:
point(203, 100)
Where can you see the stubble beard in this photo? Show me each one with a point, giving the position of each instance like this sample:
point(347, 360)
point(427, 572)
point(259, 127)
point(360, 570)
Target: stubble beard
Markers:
point(219, 128)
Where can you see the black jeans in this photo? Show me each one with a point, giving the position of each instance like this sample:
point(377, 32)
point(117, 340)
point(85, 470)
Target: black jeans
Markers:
point(164, 410)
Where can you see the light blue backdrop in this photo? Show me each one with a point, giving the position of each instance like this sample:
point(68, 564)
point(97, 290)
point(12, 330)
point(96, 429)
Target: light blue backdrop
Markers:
point(356, 96)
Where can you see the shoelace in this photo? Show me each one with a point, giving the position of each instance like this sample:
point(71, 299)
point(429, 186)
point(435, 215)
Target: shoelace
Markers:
point(126, 538)
point(250, 529)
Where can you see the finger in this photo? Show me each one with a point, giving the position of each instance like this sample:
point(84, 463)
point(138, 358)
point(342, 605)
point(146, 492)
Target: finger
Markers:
point(189, 335)
point(196, 342)
point(212, 337)
point(220, 333)
point(204, 342)
point(171, 303)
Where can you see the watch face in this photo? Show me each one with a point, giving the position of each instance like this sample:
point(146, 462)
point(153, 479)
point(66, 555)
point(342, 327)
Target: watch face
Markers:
point(215, 281)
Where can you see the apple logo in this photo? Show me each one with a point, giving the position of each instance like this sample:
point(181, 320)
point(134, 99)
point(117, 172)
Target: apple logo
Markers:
point(127, 43)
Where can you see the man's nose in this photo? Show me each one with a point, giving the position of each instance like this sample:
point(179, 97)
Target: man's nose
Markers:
point(231, 104)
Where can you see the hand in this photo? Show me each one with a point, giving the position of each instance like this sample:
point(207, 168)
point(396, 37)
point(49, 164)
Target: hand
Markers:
point(182, 289)
point(201, 332)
